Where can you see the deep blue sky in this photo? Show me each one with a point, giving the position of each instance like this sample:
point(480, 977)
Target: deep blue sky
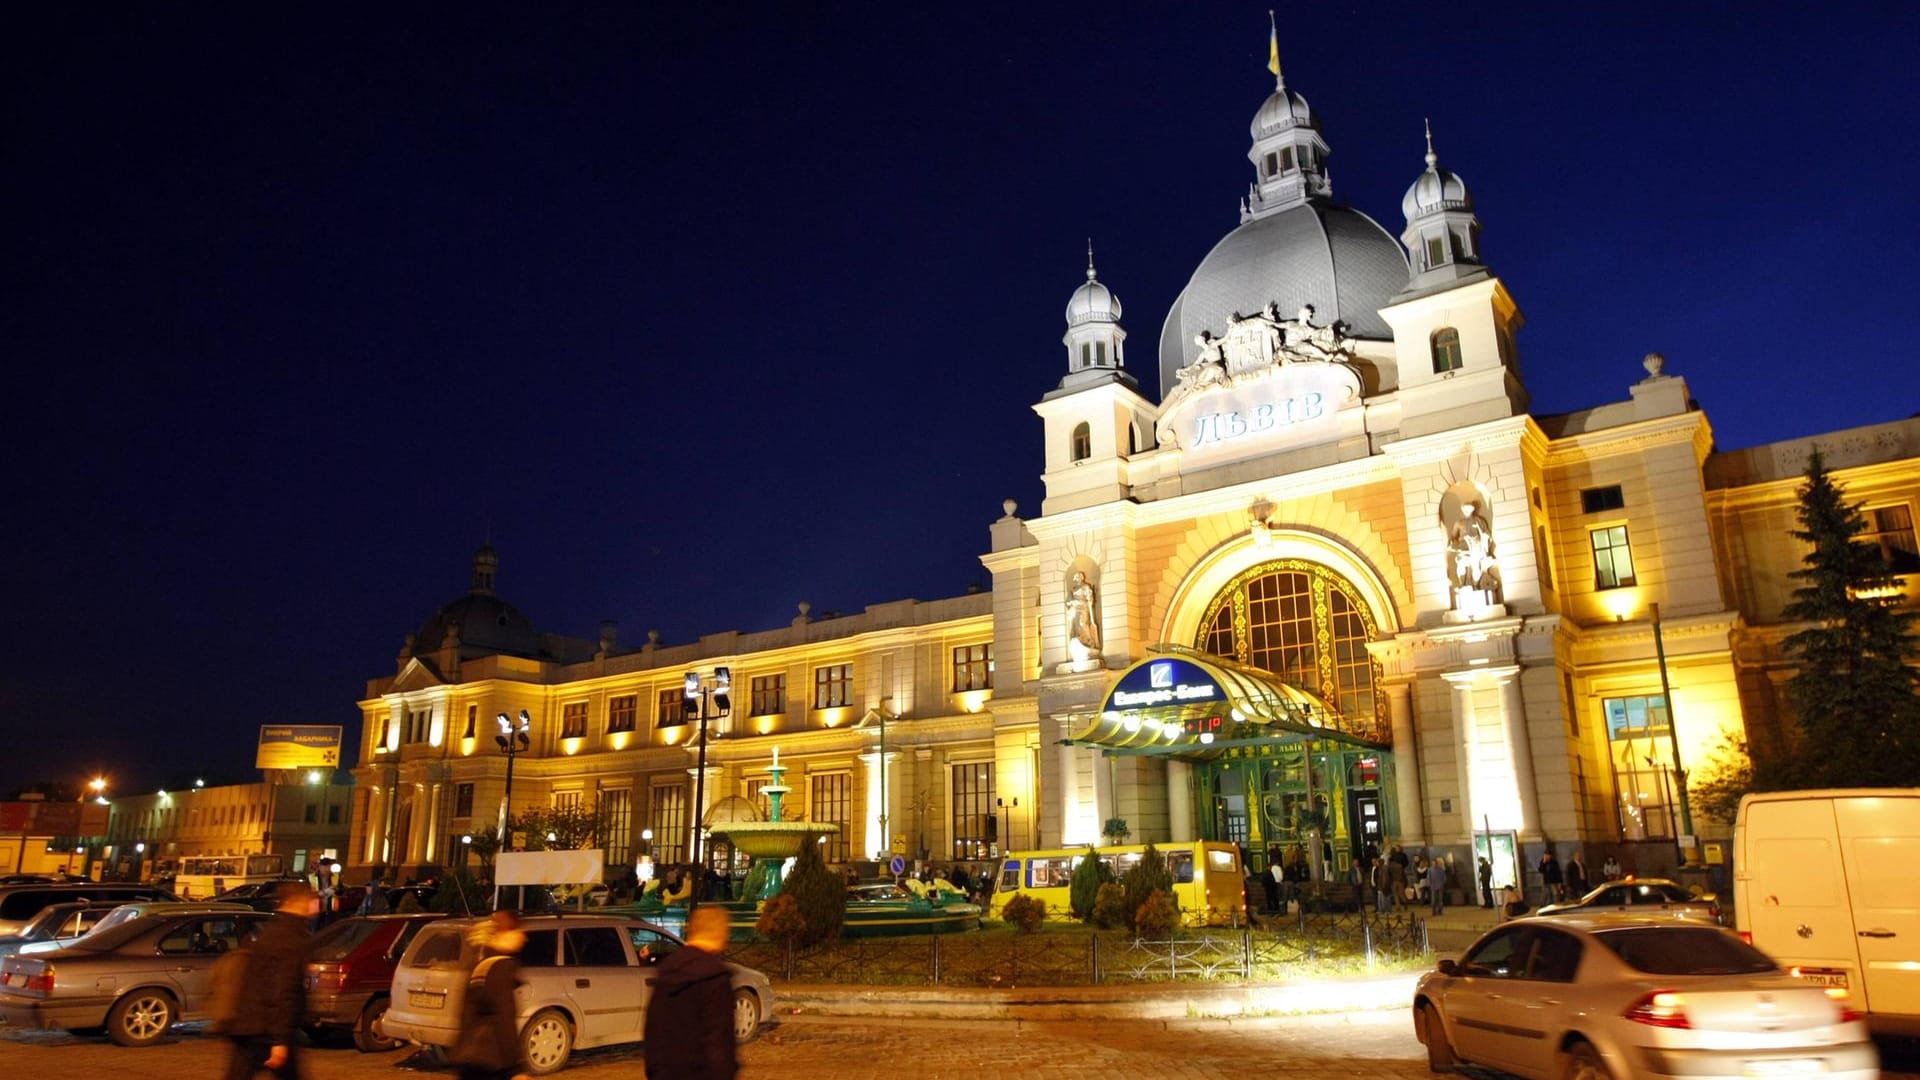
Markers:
point(708, 309)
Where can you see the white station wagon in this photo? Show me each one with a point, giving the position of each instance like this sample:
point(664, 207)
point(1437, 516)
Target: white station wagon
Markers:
point(586, 981)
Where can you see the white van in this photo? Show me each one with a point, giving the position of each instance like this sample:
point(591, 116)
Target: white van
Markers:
point(1828, 883)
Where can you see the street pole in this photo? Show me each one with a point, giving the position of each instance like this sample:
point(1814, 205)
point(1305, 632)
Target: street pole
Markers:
point(1673, 741)
point(886, 838)
point(700, 791)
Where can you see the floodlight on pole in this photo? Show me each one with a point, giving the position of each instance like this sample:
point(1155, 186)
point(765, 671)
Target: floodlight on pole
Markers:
point(513, 740)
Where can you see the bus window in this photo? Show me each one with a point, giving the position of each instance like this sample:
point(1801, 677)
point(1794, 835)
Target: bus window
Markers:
point(1049, 873)
point(1220, 861)
point(1180, 865)
point(1125, 862)
point(1010, 875)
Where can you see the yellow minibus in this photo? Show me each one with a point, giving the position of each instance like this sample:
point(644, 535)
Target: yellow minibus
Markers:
point(1207, 878)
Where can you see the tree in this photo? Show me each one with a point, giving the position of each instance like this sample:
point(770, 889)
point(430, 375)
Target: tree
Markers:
point(820, 893)
point(1143, 879)
point(571, 827)
point(1855, 697)
point(1084, 887)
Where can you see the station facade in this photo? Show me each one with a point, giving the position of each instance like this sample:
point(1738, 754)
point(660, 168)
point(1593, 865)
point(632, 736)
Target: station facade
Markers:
point(1338, 578)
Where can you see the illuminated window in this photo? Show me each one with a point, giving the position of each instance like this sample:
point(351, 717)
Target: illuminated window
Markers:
point(1612, 561)
point(569, 801)
point(616, 823)
point(1890, 528)
point(1639, 747)
point(1446, 351)
point(623, 712)
point(1602, 499)
point(1305, 624)
point(463, 800)
point(669, 823)
point(573, 720)
point(757, 795)
point(671, 708)
point(974, 828)
point(769, 695)
point(973, 667)
point(832, 686)
point(830, 799)
point(1082, 442)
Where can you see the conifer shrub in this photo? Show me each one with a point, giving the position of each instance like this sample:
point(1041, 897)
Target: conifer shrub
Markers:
point(1025, 913)
point(1110, 907)
point(820, 894)
point(781, 920)
point(1144, 877)
point(1156, 919)
point(1084, 889)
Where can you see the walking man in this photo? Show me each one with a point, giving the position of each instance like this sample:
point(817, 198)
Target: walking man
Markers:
point(689, 1025)
point(264, 1018)
point(1437, 885)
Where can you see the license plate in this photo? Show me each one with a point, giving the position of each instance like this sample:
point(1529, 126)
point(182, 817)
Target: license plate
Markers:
point(425, 999)
point(1784, 1067)
point(1823, 976)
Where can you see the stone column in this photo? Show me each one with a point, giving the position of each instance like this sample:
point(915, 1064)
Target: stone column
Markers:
point(1520, 745)
point(1180, 800)
point(1462, 683)
point(1406, 765)
point(371, 826)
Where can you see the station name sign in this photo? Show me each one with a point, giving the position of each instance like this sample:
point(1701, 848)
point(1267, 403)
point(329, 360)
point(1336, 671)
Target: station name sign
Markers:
point(1163, 682)
point(1259, 416)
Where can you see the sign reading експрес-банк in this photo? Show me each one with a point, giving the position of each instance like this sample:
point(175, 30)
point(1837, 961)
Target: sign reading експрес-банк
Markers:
point(298, 746)
point(1163, 682)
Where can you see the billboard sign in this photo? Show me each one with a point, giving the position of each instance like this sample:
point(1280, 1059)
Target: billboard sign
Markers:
point(298, 746)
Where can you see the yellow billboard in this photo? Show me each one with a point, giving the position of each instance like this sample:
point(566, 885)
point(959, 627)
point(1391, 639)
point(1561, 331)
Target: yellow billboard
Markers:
point(298, 746)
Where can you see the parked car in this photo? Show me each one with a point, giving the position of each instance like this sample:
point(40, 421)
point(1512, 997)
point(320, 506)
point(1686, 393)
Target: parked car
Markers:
point(1594, 997)
point(128, 912)
point(1641, 896)
point(585, 982)
point(19, 903)
point(57, 924)
point(350, 973)
point(137, 979)
point(1821, 881)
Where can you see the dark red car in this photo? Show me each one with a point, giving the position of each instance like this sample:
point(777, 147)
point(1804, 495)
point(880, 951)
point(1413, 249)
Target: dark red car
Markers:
point(350, 970)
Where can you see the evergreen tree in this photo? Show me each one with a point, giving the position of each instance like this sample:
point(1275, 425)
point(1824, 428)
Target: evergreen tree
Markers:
point(1084, 887)
point(1855, 696)
point(820, 893)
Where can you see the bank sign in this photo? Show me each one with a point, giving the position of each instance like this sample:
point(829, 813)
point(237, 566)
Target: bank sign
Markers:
point(298, 746)
point(1159, 683)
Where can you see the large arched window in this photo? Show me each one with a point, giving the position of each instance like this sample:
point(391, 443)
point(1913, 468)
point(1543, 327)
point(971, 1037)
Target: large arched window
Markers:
point(1446, 350)
point(1305, 624)
point(1082, 442)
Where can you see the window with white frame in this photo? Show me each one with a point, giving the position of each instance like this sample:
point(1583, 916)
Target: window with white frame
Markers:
point(832, 686)
point(573, 720)
point(973, 667)
point(1890, 528)
point(1612, 560)
point(622, 712)
point(769, 695)
point(830, 799)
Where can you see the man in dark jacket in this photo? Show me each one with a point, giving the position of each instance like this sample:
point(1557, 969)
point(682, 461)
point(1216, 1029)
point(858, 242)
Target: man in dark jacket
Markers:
point(261, 1033)
point(689, 1026)
point(489, 1046)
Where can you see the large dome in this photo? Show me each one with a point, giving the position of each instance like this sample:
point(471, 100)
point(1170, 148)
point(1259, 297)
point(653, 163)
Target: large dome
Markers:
point(1335, 258)
point(486, 624)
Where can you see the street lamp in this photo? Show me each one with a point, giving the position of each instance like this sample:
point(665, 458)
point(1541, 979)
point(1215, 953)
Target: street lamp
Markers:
point(1006, 806)
point(643, 868)
point(704, 701)
point(513, 741)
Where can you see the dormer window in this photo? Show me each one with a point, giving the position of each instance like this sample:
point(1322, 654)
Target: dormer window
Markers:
point(1082, 442)
point(1446, 351)
point(1436, 251)
point(1272, 164)
point(1286, 159)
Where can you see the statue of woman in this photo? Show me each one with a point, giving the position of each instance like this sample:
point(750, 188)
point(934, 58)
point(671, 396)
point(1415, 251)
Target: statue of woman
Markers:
point(1083, 622)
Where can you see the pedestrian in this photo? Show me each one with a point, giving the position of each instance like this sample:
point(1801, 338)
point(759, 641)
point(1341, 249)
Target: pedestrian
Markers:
point(1512, 903)
point(488, 1046)
point(1270, 880)
point(1551, 880)
point(1397, 876)
point(1381, 880)
point(689, 1023)
point(1486, 882)
point(375, 900)
point(1577, 883)
point(260, 993)
point(1610, 870)
point(1437, 886)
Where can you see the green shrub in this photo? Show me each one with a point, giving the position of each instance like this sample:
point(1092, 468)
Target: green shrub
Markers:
point(1110, 907)
point(820, 894)
point(1025, 912)
point(1157, 917)
point(1084, 889)
point(781, 920)
point(1148, 874)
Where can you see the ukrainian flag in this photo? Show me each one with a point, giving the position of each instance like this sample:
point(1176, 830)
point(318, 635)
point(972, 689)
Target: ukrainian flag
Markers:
point(1273, 46)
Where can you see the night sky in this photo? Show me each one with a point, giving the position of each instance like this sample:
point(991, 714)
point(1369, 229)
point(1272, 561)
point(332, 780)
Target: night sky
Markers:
point(704, 310)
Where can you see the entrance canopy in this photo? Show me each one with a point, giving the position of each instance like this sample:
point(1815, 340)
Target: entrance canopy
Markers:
point(1181, 702)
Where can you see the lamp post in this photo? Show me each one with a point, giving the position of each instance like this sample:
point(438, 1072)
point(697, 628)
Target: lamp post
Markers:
point(513, 741)
point(704, 701)
point(1673, 741)
point(1006, 821)
point(643, 869)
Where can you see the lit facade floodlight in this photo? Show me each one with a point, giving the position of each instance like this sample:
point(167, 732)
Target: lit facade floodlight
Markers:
point(723, 690)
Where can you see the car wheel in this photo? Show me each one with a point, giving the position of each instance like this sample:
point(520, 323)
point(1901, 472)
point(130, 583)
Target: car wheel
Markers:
point(1439, 1051)
point(140, 1018)
point(366, 1038)
point(746, 1015)
point(1583, 1062)
point(547, 1042)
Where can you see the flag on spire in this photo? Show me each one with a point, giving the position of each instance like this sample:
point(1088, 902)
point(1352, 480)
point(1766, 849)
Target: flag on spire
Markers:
point(1273, 46)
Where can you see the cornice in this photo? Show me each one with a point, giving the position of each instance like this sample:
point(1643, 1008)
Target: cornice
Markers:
point(1508, 431)
point(1688, 427)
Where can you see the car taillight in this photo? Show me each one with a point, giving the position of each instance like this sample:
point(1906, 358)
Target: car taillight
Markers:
point(326, 976)
point(1839, 996)
point(42, 981)
point(1746, 937)
point(1713, 912)
point(1662, 1008)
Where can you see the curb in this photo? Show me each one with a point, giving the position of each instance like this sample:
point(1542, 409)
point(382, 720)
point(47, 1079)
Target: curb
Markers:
point(1241, 1004)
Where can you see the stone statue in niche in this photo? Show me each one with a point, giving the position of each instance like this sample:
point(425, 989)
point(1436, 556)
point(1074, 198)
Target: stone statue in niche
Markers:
point(1471, 562)
point(1083, 620)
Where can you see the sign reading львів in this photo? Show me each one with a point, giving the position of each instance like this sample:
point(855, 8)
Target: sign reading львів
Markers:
point(298, 746)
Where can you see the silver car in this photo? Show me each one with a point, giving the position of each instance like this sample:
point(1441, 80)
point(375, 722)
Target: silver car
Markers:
point(585, 982)
point(1597, 997)
point(135, 979)
point(56, 925)
point(1641, 896)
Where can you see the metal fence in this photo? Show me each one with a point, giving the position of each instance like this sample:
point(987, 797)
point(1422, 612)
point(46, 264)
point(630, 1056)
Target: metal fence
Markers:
point(1062, 959)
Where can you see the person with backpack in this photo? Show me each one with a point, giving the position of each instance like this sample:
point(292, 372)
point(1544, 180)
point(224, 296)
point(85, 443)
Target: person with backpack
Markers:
point(260, 990)
point(488, 1047)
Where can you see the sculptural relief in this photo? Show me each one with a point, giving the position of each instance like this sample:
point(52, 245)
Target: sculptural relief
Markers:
point(1083, 620)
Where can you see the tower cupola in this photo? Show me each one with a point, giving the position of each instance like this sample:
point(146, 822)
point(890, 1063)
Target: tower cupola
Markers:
point(1094, 338)
point(1289, 155)
point(1442, 234)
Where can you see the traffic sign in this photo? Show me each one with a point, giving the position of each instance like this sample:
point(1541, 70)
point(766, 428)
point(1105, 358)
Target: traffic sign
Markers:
point(898, 866)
